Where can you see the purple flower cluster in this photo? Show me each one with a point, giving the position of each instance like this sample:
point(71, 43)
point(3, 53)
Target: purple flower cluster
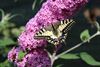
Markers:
point(13, 54)
point(51, 11)
point(35, 58)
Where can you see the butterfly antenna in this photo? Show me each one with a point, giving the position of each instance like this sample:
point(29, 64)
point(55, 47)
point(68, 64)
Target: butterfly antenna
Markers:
point(53, 27)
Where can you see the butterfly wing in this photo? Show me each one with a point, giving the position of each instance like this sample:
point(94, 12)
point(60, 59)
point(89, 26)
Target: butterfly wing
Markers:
point(64, 26)
point(68, 27)
point(45, 34)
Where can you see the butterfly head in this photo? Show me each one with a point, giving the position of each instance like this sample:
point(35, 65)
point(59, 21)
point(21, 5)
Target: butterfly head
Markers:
point(58, 39)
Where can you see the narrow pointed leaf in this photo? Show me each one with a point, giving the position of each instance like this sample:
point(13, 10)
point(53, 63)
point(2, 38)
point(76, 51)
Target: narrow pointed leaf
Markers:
point(70, 56)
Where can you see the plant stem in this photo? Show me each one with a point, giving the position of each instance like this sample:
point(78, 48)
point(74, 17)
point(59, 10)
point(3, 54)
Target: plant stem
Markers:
point(55, 57)
point(52, 58)
point(78, 45)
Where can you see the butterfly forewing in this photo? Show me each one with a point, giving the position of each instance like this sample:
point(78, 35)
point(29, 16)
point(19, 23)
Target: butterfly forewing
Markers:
point(65, 24)
point(68, 25)
point(43, 34)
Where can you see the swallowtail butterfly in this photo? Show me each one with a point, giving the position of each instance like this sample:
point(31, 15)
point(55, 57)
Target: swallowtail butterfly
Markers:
point(55, 33)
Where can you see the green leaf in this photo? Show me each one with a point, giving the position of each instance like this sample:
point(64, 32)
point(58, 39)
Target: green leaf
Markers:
point(59, 65)
point(21, 55)
point(85, 35)
point(15, 32)
point(6, 33)
point(70, 56)
point(6, 42)
point(22, 28)
point(89, 59)
point(6, 63)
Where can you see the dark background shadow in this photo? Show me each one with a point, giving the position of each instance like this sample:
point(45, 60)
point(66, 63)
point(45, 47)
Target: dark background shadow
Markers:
point(24, 7)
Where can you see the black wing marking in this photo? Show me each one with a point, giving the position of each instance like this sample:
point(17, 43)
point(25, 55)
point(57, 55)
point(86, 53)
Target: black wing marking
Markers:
point(43, 34)
point(67, 25)
point(64, 27)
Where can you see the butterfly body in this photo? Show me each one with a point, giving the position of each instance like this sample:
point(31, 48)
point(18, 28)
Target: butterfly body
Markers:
point(56, 33)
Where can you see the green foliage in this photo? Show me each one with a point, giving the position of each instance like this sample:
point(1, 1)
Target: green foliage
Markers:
point(6, 41)
point(6, 27)
point(82, 56)
point(85, 35)
point(6, 63)
point(70, 56)
point(21, 55)
point(17, 31)
point(8, 37)
point(89, 59)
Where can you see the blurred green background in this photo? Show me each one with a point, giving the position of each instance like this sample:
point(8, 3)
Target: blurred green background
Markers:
point(14, 14)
